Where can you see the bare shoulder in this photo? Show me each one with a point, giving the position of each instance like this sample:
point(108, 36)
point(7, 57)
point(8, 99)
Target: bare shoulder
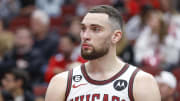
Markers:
point(57, 87)
point(145, 87)
point(141, 75)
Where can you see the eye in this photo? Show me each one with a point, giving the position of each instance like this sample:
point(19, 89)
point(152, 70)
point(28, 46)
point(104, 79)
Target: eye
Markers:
point(95, 29)
point(83, 28)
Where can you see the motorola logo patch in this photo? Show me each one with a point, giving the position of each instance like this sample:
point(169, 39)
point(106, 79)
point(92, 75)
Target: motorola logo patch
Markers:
point(120, 85)
point(77, 78)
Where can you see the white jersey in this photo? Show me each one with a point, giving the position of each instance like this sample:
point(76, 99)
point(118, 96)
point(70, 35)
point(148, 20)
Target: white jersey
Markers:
point(81, 87)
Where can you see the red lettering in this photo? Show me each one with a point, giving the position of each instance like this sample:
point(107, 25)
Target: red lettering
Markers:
point(105, 98)
point(77, 98)
point(87, 97)
point(97, 96)
point(115, 98)
point(82, 97)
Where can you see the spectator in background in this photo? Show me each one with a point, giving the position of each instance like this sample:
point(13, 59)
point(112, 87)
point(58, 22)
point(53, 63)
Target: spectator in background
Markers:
point(172, 41)
point(23, 55)
point(171, 49)
point(136, 24)
point(14, 85)
point(167, 85)
point(1, 25)
point(74, 30)
point(60, 61)
point(6, 44)
point(51, 7)
point(133, 30)
point(168, 9)
point(84, 5)
point(9, 9)
point(27, 7)
point(149, 46)
point(1, 98)
point(45, 40)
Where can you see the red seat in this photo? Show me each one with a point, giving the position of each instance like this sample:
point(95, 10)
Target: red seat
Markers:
point(176, 72)
point(39, 90)
point(19, 22)
point(68, 10)
point(56, 22)
point(59, 24)
point(178, 92)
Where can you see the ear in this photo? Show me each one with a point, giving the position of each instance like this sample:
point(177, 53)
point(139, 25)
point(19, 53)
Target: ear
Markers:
point(116, 36)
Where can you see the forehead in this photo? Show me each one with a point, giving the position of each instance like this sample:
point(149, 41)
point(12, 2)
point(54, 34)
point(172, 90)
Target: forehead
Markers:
point(9, 75)
point(101, 19)
point(22, 32)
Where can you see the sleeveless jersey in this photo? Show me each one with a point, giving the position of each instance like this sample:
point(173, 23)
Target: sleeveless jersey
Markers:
point(80, 87)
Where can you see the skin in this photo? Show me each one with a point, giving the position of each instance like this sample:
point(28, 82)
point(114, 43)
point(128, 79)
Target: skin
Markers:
point(166, 92)
point(144, 89)
point(13, 86)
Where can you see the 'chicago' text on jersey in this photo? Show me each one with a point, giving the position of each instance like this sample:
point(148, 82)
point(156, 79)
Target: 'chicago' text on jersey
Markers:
point(97, 97)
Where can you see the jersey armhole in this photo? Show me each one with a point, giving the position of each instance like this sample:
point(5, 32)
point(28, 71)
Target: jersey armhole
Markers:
point(69, 83)
point(131, 82)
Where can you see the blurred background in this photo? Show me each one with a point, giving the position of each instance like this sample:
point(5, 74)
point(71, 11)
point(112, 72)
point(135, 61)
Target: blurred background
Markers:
point(40, 38)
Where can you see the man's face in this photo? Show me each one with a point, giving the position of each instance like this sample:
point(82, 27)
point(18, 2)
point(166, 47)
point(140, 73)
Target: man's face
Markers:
point(37, 26)
point(9, 82)
point(165, 4)
point(95, 35)
point(23, 38)
point(66, 45)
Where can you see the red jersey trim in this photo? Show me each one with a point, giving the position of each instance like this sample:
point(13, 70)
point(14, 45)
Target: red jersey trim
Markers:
point(125, 67)
point(69, 83)
point(131, 82)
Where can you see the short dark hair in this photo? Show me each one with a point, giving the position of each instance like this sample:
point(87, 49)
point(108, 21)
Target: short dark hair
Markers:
point(113, 13)
point(20, 74)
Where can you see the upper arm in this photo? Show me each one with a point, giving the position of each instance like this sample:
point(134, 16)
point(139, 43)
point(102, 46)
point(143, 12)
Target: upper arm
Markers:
point(57, 88)
point(145, 88)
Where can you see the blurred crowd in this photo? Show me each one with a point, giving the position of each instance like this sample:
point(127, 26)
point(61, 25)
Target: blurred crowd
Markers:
point(40, 38)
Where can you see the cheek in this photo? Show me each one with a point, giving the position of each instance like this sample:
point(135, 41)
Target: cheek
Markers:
point(103, 43)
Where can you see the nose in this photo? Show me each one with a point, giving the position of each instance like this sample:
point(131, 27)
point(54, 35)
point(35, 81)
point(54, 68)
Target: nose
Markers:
point(85, 35)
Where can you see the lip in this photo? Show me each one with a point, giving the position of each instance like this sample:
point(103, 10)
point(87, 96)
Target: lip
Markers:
point(85, 45)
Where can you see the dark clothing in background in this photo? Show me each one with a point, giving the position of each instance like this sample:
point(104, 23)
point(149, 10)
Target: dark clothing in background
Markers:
point(127, 54)
point(47, 46)
point(34, 59)
point(25, 3)
point(28, 96)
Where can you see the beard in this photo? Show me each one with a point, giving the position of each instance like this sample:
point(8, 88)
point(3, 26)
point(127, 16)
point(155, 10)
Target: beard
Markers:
point(94, 53)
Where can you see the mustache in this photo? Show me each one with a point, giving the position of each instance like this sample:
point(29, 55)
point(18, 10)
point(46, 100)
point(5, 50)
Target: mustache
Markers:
point(85, 43)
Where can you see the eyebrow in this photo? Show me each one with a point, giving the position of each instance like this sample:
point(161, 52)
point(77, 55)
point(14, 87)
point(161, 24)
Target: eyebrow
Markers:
point(93, 25)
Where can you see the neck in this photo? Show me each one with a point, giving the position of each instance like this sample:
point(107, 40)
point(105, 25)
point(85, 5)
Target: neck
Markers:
point(18, 92)
point(24, 50)
point(41, 35)
point(107, 65)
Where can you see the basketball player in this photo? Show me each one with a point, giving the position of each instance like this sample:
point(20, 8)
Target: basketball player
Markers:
point(104, 77)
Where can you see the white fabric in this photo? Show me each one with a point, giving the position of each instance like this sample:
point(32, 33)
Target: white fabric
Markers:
point(167, 78)
point(172, 41)
point(108, 88)
point(145, 45)
point(132, 29)
point(51, 7)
